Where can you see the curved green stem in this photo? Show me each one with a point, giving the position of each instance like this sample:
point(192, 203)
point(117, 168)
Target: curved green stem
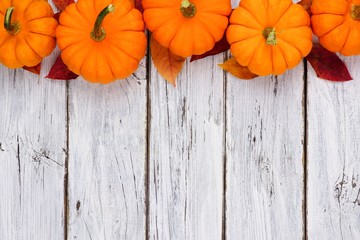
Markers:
point(98, 33)
point(188, 9)
point(12, 28)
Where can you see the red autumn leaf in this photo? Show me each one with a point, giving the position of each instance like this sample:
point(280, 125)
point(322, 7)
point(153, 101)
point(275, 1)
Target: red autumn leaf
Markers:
point(60, 71)
point(61, 4)
point(306, 4)
point(138, 5)
point(233, 67)
point(328, 65)
point(35, 69)
point(220, 46)
point(57, 16)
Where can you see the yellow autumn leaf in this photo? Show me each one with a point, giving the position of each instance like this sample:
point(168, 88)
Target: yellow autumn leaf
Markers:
point(233, 67)
point(168, 64)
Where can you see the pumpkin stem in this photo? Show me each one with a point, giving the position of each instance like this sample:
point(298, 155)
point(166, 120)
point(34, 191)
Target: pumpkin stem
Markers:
point(98, 33)
point(355, 12)
point(188, 9)
point(12, 28)
point(270, 36)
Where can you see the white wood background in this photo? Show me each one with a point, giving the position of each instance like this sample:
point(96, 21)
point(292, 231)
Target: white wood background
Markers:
point(213, 158)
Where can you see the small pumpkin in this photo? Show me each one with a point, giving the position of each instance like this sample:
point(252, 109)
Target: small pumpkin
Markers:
point(337, 24)
point(27, 34)
point(269, 36)
point(187, 27)
point(101, 40)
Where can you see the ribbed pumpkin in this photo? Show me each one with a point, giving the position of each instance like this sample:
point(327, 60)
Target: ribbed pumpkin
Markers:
point(27, 33)
point(337, 24)
point(187, 27)
point(101, 40)
point(269, 36)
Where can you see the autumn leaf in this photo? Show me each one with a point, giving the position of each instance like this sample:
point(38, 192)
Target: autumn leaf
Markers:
point(138, 5)
point(57, 16)
point(168, 64)
point(233, 67)
point(61, 4)
point(328, 65)
point(220, 46)
point(35, 69)
point(60, 71)
point(306, 4)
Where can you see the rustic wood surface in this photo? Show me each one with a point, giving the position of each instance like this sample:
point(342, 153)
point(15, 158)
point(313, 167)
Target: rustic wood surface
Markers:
point(214, 158)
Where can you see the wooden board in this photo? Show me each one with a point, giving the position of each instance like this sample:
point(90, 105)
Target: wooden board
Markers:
point(334, 156)
point(186, 153)
point(107, 156)
point(264, 146)
point(32, 155)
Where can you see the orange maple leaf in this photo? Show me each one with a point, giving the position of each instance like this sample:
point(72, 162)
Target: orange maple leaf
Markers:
point(233, 67)
point(168, 64)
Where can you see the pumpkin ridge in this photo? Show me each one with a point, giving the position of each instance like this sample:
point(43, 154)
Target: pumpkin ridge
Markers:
point(252, 56)
point(344, 19)
point(247, 36)
point(282, 14)
point(25, 39)
point(207, 30)
point(282, 52)
point(347, 34)
point(291, 45)
point(256, 20)
point(115, 46)
point(253, 13)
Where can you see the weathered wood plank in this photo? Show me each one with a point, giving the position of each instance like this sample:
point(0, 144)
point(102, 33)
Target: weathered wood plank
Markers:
point(32, 155)
point(186, 153)
point(107, 156)
point(334, 156)
point(264, 146)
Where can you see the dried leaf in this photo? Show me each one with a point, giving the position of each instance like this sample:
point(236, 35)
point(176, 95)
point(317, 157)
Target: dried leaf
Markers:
point(168, 64)
point(138, 5)
point(57, 16)
point(220, 46)
point(61, 4)
point(233, 67)
point(328, 65)
point(35, 69)
point(306, 4)
point(60, 71)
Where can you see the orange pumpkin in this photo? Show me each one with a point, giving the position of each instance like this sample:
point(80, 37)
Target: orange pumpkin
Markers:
point(269, 36)
point(27, 33)
point(337, 24)
point(101, 40)
point(187, 27)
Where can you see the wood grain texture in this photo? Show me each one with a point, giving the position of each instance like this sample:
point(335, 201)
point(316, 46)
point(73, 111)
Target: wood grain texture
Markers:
point(32, 155)
point(186, 153)
point(107, 148)
point(334, 156)
point(264, 145)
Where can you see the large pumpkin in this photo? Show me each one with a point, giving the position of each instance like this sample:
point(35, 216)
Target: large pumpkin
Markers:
point(27, 32)
point(269, 36)
point(101, 40)
point(187, 27)
point(337, 24)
